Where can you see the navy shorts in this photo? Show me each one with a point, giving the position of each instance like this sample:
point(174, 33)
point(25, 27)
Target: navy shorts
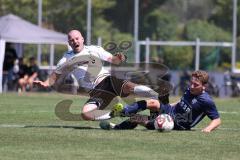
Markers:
point(166, 108)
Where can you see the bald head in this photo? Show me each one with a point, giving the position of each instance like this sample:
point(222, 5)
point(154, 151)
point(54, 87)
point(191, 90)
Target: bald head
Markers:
point(76, 40)
point(74, 32)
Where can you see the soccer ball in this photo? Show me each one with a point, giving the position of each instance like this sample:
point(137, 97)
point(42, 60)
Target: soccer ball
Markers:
point(164, 122)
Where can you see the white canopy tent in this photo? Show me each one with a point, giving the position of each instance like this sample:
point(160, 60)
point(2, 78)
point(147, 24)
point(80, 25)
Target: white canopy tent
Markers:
point(17, 30)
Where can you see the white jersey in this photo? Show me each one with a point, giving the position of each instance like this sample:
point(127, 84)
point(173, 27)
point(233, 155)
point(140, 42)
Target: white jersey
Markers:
point(86, 66)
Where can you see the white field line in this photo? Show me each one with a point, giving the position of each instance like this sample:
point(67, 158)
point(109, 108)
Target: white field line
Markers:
point(220, 128)
point(47, 111)
point(12, 126)
point(40, 126)
point(224, 112)
point(30, 111)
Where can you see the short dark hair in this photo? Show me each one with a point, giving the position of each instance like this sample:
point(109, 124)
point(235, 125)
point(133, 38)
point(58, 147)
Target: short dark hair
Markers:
point(202, 76)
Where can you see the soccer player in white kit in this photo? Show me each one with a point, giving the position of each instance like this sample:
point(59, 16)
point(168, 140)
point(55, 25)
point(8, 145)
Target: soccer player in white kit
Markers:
point(91, 75)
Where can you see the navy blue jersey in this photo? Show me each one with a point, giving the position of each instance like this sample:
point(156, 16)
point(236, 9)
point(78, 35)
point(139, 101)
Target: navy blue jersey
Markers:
point(192, 109)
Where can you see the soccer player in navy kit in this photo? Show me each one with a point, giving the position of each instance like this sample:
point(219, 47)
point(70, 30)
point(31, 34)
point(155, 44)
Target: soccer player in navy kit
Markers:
point(194, 105)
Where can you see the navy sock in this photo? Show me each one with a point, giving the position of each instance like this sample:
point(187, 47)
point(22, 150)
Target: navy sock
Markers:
point(128, 110)
point(127, 124)
point(150, 125)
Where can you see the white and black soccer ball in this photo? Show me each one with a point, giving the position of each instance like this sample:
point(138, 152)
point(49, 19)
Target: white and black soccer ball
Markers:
point(164, 122)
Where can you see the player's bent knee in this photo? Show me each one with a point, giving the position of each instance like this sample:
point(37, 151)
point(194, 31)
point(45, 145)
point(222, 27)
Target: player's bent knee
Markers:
point(86, 111)
point(153, 104)
point(128, 87)
point(86, 117)
point(21, 81)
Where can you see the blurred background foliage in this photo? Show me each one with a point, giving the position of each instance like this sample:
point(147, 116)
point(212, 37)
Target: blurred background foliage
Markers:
point(113, 20)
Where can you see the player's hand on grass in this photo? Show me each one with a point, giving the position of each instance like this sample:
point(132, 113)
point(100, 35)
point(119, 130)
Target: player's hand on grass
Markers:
point(206, 130)
point(213, 125)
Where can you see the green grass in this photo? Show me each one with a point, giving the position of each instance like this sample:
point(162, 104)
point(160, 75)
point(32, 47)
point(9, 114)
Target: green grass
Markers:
point(39, 134)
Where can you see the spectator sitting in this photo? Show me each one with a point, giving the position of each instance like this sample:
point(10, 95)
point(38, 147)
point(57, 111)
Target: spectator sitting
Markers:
point(29, 74)
point(22, 74)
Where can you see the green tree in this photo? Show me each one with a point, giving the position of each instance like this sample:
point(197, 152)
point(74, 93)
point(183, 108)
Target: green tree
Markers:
point(178, 57)
point(238, 52)
point(66, 15)
point(208, 32)
point(187, 10)
point(205, 31)
point(157, 26)
point(160, 25)
point(222, 14)
point(122, 13)
point(107, 32)
point(27, 9)
point(103, 28)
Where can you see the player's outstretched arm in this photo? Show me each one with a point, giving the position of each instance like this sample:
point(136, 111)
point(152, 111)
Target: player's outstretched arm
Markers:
point(49, 82)
point(212, 125)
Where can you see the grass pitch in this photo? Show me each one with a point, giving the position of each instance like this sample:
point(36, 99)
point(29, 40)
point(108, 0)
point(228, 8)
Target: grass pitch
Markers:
point(29, 129)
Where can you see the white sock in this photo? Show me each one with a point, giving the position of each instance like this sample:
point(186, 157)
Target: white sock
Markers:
point(102, 117)
point(145, 91)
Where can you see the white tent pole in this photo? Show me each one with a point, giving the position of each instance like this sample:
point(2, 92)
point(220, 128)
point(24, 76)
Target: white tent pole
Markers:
point(234, 36)
point(147, 51)
point(99, 41)
point(89, 16)
point(51, 56)
point(39, 47)
point(197, 58)
point(39, 54)
point(40, 13)
point(2, 52)
point(136, 23)
point(19, 49)
point(137, 56)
